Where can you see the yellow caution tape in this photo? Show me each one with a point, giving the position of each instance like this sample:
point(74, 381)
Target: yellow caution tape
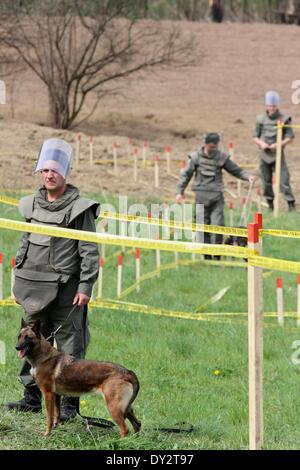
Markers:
point(281, 233)
point(181, 247)
point(275, 264)
point(9, 200)
point(242, 232)
point(145, 309)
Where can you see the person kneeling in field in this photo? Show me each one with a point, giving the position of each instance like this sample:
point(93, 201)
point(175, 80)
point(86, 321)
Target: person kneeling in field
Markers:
point(207, 164)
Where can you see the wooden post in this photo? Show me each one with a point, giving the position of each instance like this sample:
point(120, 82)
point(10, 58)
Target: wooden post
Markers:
point(100, 278)
point(77, 150)
point(12, 277)
point(298, 303)
point(194, 238)
point(230, 208)
point(176, 255)
point(135, 170)
point(279, 296)
point(156, 171)
point(168, 152)
point(137, 268)
point(255, 344)
point(144, 156)
point(119, 280)
point(166, 218)
point(278, 167)
point(149, 226)
point(1, 276)
point(91, 140)
point(114, 146)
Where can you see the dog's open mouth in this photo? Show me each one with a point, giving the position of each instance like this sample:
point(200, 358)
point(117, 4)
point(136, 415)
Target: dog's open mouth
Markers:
point(22, 351)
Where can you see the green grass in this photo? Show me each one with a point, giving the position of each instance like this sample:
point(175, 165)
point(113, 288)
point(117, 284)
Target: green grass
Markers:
point(174, 359)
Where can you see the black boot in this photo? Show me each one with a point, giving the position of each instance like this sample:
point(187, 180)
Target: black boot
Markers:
point(68, 408)
point(291, 205)
point(270, 204)
point(207, 257)
point(30, 402)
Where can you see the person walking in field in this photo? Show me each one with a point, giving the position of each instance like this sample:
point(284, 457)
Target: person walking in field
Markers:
point(265, 138)
point(54, 276)
point(206, 164)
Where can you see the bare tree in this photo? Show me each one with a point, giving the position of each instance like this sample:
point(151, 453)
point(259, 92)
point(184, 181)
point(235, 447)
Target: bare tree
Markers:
point(78, 47)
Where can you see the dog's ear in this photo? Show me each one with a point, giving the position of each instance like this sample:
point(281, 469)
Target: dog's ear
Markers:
point(37, 328)
point(23, 323)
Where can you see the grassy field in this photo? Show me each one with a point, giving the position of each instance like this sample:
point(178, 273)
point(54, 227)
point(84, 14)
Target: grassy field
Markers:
point(175, 359)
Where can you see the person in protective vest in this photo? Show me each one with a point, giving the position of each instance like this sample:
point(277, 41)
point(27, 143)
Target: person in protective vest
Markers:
point(265, 137)
point(54, 275)
point(207, 164)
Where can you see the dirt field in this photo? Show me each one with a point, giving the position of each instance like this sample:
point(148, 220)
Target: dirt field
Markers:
point(223, 93)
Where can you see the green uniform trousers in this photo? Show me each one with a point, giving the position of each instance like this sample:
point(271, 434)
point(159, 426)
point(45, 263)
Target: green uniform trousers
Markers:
point(210, 210)
point(266, 171)
point(72, 338)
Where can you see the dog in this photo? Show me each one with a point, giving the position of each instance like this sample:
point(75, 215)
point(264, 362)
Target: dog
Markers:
point(57, 373)
point(236, 240)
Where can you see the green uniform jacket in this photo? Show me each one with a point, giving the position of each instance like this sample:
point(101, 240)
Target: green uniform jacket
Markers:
point(266, 130)
point(207, 172)
point(67, 257)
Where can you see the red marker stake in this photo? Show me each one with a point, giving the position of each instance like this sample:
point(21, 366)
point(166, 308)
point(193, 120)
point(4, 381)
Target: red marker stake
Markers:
point(144, 155)
point(279, 295)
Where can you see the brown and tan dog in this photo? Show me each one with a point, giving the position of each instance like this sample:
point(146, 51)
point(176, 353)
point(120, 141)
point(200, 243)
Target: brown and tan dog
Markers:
point(58, 374)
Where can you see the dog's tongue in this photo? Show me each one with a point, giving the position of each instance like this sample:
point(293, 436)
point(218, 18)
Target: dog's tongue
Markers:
point(21, 353)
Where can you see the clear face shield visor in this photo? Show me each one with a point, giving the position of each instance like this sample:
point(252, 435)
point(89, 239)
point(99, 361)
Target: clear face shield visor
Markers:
point(55, 155)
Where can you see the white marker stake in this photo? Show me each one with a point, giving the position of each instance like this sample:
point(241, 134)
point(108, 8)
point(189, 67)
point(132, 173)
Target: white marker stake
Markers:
point(137, 268)
point(77, 150)
point(298, 303)
point(168, 152)
point(91, 141)
point(255, 344)
point(12, 277)
point(156, 171)
point(100, 278)
point(114, 147)
point(231, 150)
point(182, 166)
point(135, 169)
point(119, 282)
point(279, 295)
point(144, 156)
point(230, 208)
point(1, 276)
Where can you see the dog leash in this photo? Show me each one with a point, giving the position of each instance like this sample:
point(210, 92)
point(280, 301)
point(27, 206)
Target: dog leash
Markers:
point(52, 335)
